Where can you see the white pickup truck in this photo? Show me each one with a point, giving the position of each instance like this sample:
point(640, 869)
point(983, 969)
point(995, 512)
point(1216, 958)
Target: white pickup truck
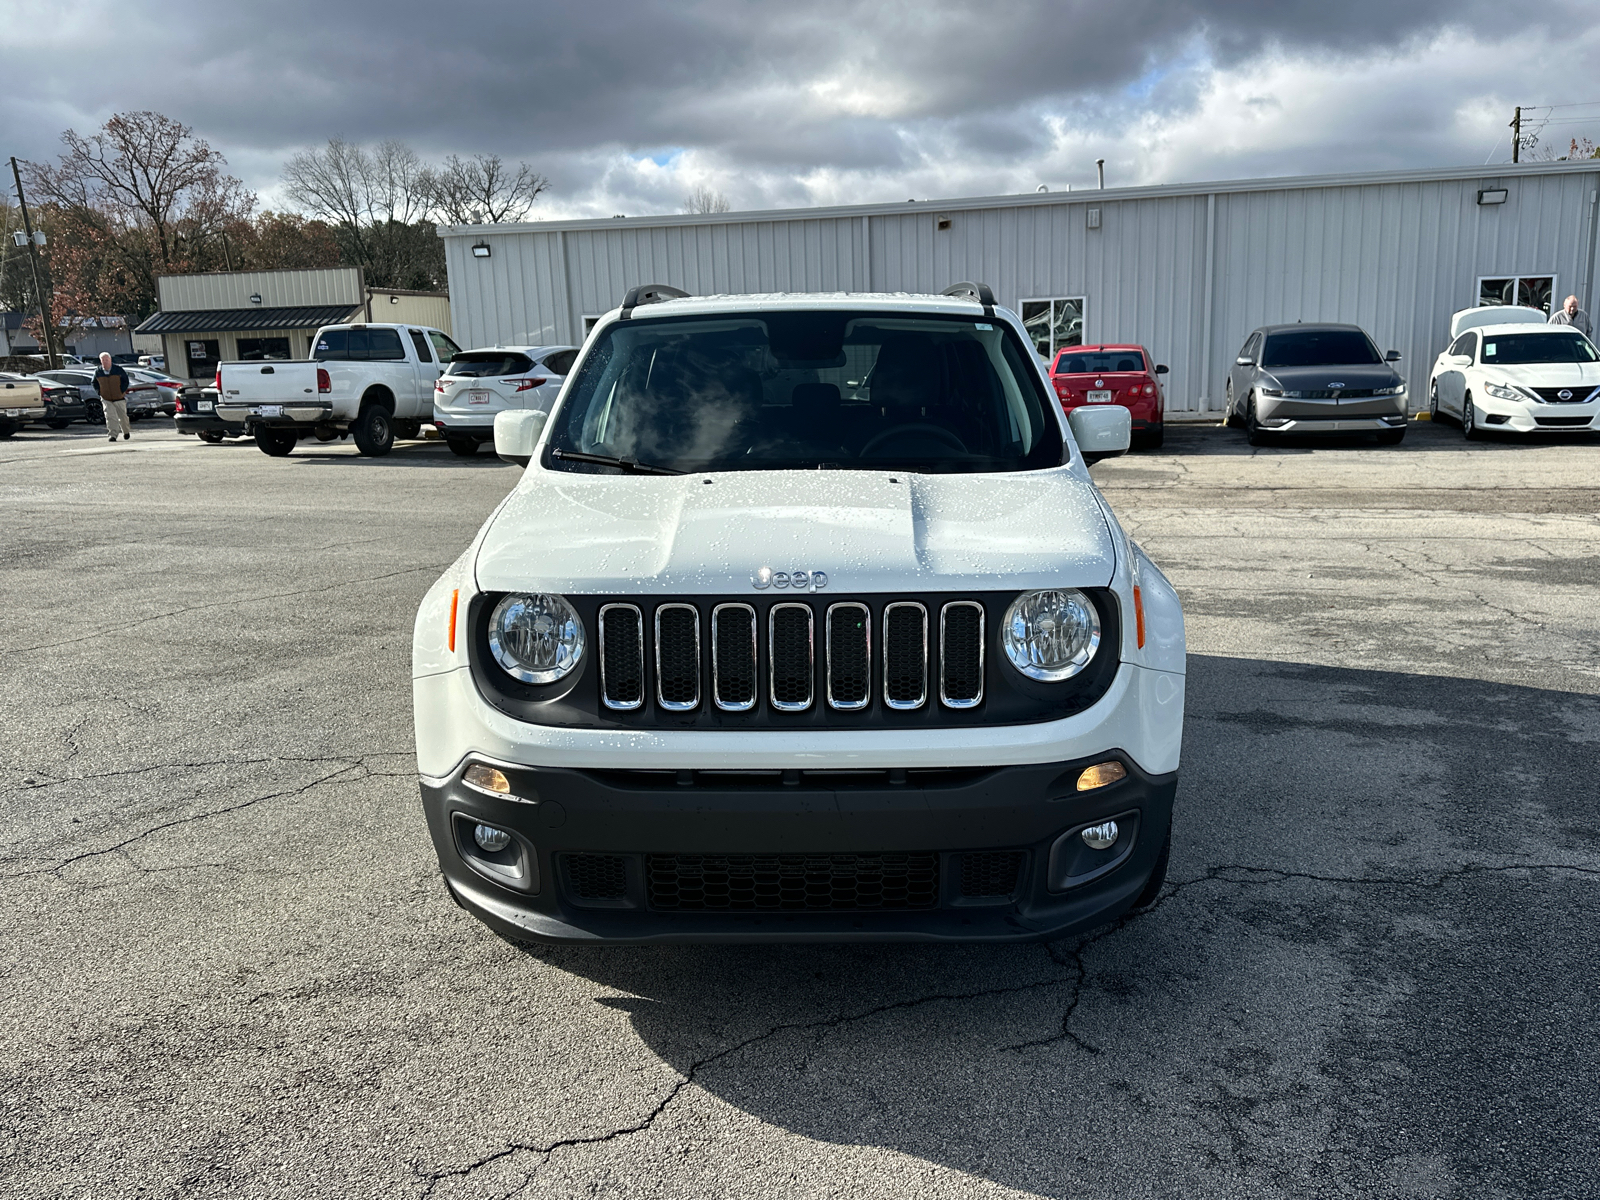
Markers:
point(370, 382)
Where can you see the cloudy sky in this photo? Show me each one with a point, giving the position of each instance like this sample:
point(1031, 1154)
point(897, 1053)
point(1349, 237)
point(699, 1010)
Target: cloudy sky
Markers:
point(628, 105)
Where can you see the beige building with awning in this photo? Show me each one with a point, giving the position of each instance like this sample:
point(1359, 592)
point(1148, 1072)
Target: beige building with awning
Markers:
point(230, 316)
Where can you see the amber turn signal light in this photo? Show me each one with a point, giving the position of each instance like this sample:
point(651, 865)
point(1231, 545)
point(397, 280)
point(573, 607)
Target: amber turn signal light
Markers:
point(1138, 614)
point(1101, 774)
point(490, 779)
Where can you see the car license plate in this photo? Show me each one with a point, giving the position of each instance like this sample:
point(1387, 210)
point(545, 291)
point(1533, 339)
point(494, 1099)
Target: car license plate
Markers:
point(479, 397)
point(270, 410)
point(1099, 397)
point(206, 406)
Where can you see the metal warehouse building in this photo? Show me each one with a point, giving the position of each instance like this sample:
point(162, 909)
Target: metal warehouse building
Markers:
point(1188, 271)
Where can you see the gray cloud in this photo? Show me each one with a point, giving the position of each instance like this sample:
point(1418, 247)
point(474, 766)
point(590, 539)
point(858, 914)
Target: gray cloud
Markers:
point(776, 100)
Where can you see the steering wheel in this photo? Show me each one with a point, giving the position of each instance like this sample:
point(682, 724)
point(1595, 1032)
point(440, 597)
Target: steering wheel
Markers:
point(938, 432)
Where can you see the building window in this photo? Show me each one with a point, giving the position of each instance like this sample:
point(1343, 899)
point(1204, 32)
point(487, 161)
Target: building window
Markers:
point(1530, 291)
point(254, 349)
point(1054, 323)
point(203, 357)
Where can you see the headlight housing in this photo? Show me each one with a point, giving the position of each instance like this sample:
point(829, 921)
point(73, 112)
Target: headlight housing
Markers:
point(1051, 635)
point(536, 638)
point(1503, 391)
point(1398, 389)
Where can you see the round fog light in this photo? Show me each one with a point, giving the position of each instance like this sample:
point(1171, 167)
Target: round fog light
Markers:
point(494, 840)
point(1097, 837)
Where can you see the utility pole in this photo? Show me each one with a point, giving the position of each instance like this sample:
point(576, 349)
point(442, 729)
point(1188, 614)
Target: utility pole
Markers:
point(38, 281)
point(1516, 135)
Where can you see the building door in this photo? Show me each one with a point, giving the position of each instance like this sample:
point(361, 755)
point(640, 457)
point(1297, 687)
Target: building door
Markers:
point(202, 357)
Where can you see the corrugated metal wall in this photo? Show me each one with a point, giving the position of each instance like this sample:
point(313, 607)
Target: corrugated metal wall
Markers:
point(277, 289)
point(1396, 256)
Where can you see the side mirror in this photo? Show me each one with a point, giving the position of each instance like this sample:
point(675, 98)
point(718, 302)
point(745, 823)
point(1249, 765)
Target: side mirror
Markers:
point(1161, 368)
point(516, 433)
point(1244, 360)
point(1392, 356)
point(1103, 431)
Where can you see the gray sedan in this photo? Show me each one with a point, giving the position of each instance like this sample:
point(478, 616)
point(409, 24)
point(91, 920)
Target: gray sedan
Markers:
point(1315, 379)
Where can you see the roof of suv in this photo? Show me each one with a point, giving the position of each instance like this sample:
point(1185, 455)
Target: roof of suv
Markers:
point(869, 301)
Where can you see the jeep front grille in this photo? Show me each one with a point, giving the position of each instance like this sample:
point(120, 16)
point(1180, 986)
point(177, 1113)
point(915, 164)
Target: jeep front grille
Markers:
point(849, 634)
point(733, 657)
point(791, 657)
point(621, 656)
point(678, 657)
point(905, 655)
point(961, 654)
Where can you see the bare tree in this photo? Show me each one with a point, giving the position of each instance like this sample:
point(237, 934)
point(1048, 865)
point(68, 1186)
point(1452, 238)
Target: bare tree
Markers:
point(704, 200)
point(484, 190)
point(378, 202)
point(142, 197)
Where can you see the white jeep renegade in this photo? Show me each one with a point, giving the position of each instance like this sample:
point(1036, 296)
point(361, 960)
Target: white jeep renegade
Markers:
point(805, 622)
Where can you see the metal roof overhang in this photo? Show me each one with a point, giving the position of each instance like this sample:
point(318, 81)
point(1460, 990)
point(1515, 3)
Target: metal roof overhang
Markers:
point(231, 320)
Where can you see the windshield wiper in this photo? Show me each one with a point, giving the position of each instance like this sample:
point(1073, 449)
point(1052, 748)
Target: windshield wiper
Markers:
point(632, 466)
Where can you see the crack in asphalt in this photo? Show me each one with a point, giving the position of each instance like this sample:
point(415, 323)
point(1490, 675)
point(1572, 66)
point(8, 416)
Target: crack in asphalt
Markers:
point(215, 812)
point(1076, 976)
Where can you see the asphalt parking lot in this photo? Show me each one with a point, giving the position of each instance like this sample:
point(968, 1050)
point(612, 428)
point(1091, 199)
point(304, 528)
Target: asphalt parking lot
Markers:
point(230, 968)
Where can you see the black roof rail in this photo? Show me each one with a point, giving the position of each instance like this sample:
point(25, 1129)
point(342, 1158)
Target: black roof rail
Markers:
point(649, 293)
point(973, 291)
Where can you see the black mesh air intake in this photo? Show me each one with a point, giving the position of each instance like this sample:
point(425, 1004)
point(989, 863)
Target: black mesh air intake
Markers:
point(677, 656)
point(733, 656)
point(791, 652)
point(622, 656)
point(905, 655)
point(990, 872)
point(961, 654)
point(597, 876)
point(849, 656)
point(791, 882)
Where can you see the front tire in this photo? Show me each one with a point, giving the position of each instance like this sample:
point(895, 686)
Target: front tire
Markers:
point(1252, 427)
point(462, 447)
point(374, 431)
point(58, 424)
point(7, 429)
point(1433, 402)
point(1469, 420)
point(276, 443)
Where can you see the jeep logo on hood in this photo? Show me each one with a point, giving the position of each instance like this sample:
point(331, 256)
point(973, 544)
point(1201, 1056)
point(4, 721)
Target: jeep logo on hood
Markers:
point(798, 580)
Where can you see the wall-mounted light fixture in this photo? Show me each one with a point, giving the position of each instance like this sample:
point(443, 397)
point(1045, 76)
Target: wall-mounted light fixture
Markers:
point(1491, 195)
point(394, 299)
point(255, 298)
point(480, 250)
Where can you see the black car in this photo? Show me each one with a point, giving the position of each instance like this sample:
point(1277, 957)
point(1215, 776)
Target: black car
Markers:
point(71, 396)
point(197, 414)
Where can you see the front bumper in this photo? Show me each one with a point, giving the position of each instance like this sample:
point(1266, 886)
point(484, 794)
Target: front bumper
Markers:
point(1303, 425)
point(1028, 814)
point(1519, 416)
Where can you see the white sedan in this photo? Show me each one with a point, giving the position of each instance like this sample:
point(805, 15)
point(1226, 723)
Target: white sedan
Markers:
point(1519, 377)
point(477, 384)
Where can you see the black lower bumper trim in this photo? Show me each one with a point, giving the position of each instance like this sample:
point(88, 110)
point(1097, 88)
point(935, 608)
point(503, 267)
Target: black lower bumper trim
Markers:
point(620, 862)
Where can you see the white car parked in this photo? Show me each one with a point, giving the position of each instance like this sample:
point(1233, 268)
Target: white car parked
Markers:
point(1520, 375)
point(477, 385)
point(805, 622)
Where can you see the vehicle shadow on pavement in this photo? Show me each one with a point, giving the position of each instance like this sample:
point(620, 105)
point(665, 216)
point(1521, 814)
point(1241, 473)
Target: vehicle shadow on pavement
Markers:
point(1373, 957)
point(1216, 440)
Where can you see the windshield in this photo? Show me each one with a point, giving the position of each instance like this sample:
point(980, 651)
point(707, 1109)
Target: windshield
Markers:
point(1538, 348)
point(1319, 348)
point(810, 389)
point(481, 364)
point(1100, 362)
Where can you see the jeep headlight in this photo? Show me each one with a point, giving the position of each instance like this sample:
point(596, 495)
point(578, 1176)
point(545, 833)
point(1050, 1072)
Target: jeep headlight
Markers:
point(1051, 635)
point(536, 638)
point(1501, 391)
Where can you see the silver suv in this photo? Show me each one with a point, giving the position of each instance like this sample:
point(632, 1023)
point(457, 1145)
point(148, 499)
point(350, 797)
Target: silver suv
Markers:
point(1315, 379)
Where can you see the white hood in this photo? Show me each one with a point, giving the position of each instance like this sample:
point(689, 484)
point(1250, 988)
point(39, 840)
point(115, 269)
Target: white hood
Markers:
point(1569, 374)
point(869, 531)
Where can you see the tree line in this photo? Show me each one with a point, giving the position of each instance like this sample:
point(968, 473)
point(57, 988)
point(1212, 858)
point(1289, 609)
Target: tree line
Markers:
point(143, 197)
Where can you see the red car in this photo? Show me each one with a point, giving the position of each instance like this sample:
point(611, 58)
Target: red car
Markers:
point(1114, 375)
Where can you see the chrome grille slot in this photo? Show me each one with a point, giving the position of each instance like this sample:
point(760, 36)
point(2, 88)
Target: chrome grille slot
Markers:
point(678, 657)
point(961, 654)
point(733, 657)
point(790, 656)
point(621, 656)
point(849, 637)
point(905, 655)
